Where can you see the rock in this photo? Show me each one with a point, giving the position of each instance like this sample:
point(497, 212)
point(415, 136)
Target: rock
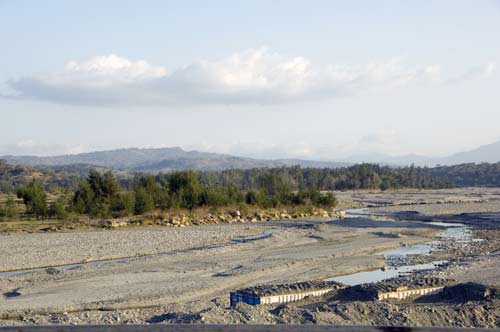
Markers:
point(53, 271)
point(323, 213)
point(235, 214)
point(12, 293)
point(114, 223)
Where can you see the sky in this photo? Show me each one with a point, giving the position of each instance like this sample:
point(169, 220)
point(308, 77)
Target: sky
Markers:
point(268, 79)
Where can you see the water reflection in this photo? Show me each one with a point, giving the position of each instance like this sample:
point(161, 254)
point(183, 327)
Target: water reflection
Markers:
point(379, 275)
point(454, 231)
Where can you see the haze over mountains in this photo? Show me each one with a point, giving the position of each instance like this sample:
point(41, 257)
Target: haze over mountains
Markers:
point(489, 153)
point(175, 158)
point(162, 159)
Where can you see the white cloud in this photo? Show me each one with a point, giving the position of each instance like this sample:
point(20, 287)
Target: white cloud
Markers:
point(105, 71)
point(254, 76)
point(480, 72)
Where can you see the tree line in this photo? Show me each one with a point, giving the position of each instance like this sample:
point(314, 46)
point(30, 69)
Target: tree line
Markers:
point(361, 176)
point(100, 195)
point(470, 175)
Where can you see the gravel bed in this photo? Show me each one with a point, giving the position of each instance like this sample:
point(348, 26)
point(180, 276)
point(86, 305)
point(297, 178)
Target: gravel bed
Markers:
point(22, 250)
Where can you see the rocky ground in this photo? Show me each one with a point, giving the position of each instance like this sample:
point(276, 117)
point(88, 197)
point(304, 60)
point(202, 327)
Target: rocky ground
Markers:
point(397, 199)
point(193, 286)
point(56, 248)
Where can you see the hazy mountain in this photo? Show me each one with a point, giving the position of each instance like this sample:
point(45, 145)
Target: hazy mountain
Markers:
point(162, 159)
point(121, 158)
point(175, 158)
point(489, 153)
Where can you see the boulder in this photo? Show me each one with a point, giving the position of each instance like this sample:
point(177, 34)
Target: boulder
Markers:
point(114, 223)
point(235, 214)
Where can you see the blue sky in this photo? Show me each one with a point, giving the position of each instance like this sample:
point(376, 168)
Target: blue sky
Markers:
point(311, 79)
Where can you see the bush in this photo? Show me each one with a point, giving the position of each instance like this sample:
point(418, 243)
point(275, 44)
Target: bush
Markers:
point(100, 209)
point(9, 210)
point(143, 201)
point(184, 189)
point(123, 204)
point(252, 198)
point(214, 196)
point(95, 193)
point(83, 198)
point(327, 200)
point(58, 210)
point(155, 190)
point(35, 199)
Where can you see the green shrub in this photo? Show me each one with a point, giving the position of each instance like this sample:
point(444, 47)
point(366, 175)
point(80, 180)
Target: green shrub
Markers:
point(35, 199)
point(58, 210)
point(9, 210)
point(143, 201)
point(123, 204)
point(327, 200)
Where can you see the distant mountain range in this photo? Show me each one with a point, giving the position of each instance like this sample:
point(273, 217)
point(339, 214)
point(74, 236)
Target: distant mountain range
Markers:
point(489, 153)
point(162, 159)
point(175, 158)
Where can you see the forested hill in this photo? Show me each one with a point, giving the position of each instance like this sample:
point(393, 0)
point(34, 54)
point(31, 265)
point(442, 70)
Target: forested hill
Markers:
point(161, 160)
point(14, 176)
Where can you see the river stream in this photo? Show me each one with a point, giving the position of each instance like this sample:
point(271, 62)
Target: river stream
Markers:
point(397, 258)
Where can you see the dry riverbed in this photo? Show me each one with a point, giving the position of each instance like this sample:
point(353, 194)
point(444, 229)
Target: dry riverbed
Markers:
point(51, 249)
point(302, 250)
point(192, 286)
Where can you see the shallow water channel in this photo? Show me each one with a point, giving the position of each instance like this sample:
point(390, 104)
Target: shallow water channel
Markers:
point(396, 258)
